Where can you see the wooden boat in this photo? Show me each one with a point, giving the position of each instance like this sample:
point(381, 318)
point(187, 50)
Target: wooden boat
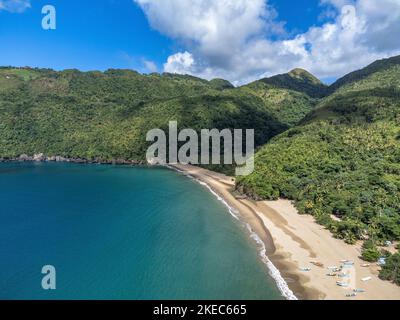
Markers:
point(318, 264)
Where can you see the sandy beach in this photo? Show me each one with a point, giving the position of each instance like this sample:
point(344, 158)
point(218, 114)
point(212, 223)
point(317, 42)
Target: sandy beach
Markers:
point(294, 242)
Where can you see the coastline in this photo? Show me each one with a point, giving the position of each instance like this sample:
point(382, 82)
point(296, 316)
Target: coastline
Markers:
point(287, 241)
point(40, 157)
point(292, 242)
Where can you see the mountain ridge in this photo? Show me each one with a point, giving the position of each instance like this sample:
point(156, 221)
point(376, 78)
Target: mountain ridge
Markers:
point(342, 161)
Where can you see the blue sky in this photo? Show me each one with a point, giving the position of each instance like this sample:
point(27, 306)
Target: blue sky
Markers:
point(91, 34)
point(144, 35)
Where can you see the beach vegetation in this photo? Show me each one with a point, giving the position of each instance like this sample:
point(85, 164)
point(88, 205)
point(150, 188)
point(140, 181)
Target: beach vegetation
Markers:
point(342, 160)
point(391, 270)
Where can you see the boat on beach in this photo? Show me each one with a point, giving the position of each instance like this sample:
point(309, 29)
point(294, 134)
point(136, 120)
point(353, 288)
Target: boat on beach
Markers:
point(351, 295)
point(359, 291)
point(305, 269)
point(317, 264)
point(344, 275)
point(342, 284)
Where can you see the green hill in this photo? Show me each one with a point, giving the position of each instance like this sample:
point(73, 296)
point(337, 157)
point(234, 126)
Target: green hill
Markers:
point(289, 96)
point(343, 159)
point(334, 150)
point(377, 66)
point(107, 115)
point(296, 80)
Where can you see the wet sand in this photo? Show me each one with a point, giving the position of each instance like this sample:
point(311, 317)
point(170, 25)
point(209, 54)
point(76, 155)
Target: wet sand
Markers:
point(294, 241)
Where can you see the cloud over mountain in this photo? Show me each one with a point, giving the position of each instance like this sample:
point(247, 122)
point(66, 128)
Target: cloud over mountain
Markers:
point(243, 40)
point(15, 6)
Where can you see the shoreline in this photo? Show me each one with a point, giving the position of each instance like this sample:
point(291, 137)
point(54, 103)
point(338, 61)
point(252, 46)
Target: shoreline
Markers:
point(293, 242)
point(284, 247)
point(40, 157)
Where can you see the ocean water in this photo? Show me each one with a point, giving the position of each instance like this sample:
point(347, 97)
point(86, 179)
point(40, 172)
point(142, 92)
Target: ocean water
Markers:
point(117, 232)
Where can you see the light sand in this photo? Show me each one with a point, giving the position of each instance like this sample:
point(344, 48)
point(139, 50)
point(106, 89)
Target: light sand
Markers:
point(294, 241)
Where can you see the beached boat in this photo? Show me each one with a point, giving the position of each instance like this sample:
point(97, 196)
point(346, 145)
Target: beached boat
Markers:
point(318, 264)
point(344, 275)
point(305, 269)
point(366, 279)
point(342, 284)
point(359, 290)
point(351, 295)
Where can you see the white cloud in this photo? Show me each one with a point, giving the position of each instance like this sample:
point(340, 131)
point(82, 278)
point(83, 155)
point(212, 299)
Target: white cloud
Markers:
point(179, 62)
point(150, 66)
point(15, 6)
point(338, 3)
point(232, 39)
point(141, 64)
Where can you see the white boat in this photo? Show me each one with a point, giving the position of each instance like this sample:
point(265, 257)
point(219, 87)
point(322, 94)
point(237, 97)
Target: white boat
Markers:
point(344, 275)
point(359, 290)
point(351, 295)
point(366, 279)
point(342, 284)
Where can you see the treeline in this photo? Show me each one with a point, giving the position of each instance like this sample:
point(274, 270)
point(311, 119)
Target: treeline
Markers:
point(341, 164)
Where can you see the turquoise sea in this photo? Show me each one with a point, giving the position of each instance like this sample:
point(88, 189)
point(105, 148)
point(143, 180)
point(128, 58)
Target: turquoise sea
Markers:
point(115, 232)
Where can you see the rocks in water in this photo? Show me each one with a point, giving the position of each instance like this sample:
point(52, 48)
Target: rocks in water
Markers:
point(61, 159)
point(40, 157)
point(24, 157)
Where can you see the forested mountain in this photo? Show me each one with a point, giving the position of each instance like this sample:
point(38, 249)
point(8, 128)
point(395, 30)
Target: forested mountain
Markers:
point(334, 150)
point(289, 96)
point(343, 159)
point(107, 115)
point(377, 66)
point(296, 80)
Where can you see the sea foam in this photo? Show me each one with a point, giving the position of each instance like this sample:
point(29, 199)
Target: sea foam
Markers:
point(272, 270)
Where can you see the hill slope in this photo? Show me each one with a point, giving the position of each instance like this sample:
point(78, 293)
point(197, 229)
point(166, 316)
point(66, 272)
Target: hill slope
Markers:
point(377, 66)
point(290, 96)
point(342, 160)
point(107, 115)
point(296, 80)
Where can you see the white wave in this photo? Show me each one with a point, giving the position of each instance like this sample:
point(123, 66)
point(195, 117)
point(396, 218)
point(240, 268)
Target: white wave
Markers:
point(273, 271)
point(232, 211)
